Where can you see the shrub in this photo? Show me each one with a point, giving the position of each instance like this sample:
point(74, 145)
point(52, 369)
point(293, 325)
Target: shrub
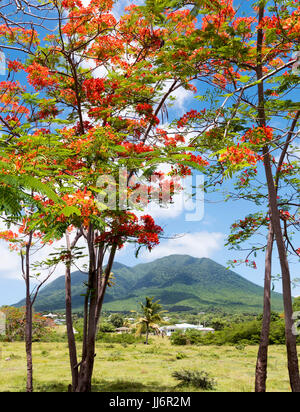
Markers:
point(124, 338)
point(178, 338)
point(277, 333)
point(116, 320)
point(115, 357)
point(243, 333)
point(54, 336)
point(15, 325)
point(106, 327)
point(197, 379)
point(14, 356)
point(181, 355)
point(247, 332)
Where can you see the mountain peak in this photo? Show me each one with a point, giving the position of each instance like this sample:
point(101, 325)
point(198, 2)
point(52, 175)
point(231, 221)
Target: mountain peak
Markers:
point(183, 257)
point(118, 265)
point(185, 260)
point(180, 282)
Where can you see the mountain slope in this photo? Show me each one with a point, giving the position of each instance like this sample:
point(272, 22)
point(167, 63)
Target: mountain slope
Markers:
point(181, 282)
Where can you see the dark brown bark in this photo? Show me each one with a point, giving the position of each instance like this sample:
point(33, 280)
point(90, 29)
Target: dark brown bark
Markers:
point(87, 363)
point(262, 356)
point(28, 342)
point(103, 285)
point(69, 320)
point(291, 346)
point(29, 302)
point(292, 356)
point(28, 317)
point(97, 283)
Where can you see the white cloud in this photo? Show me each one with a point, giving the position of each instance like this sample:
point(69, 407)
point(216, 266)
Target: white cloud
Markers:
point(10, 266)
point(119, 6)
point(296, 149)
point(187, 201)
point(181, 96)
point(198, 244)
point(10, 262)
point(171, 211)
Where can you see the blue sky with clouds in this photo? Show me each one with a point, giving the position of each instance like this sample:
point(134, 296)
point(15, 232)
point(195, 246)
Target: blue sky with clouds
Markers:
point(203, 237)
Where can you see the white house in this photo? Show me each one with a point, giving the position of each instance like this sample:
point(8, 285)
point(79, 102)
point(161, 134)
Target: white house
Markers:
point(168, 330)
point(123, 329)
point(50, 315)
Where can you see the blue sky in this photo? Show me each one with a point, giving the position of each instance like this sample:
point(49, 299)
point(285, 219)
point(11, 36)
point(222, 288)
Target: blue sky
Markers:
point(204, 237)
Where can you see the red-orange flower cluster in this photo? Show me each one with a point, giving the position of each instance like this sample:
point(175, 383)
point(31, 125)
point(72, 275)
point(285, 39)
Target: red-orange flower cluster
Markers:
point(237, 155)
point(39, 76)
point(258, 135)
point(127, 226)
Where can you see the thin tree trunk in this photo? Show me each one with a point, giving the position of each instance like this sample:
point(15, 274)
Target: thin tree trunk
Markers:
point(262, 356)
point(28, 342)
point(87, 362)
point(88, 352)
point(293, 366)
point(87, 365)
point(95, 297)
point(102, 287)
point(28, 317)
point(69, 320)
point(291, 346)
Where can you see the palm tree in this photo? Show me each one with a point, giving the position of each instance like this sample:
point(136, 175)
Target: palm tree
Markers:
point(151, 314)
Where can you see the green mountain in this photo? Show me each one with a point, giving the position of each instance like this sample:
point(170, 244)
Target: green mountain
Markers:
point(180, 282)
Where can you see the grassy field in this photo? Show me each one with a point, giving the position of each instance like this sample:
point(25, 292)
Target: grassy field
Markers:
point(141, 368)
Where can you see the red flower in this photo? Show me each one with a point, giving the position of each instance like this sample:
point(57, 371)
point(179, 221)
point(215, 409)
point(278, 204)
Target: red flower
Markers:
point(39, 76)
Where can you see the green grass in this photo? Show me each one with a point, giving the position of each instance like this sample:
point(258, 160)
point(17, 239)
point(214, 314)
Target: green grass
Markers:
point(142, 368)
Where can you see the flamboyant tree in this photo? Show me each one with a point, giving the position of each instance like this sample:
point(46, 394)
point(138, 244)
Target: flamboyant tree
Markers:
point(249, 187)
point(251, 65)
point(110, 80)
point(24, 238)
point(96, 90)
point(21, 183)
